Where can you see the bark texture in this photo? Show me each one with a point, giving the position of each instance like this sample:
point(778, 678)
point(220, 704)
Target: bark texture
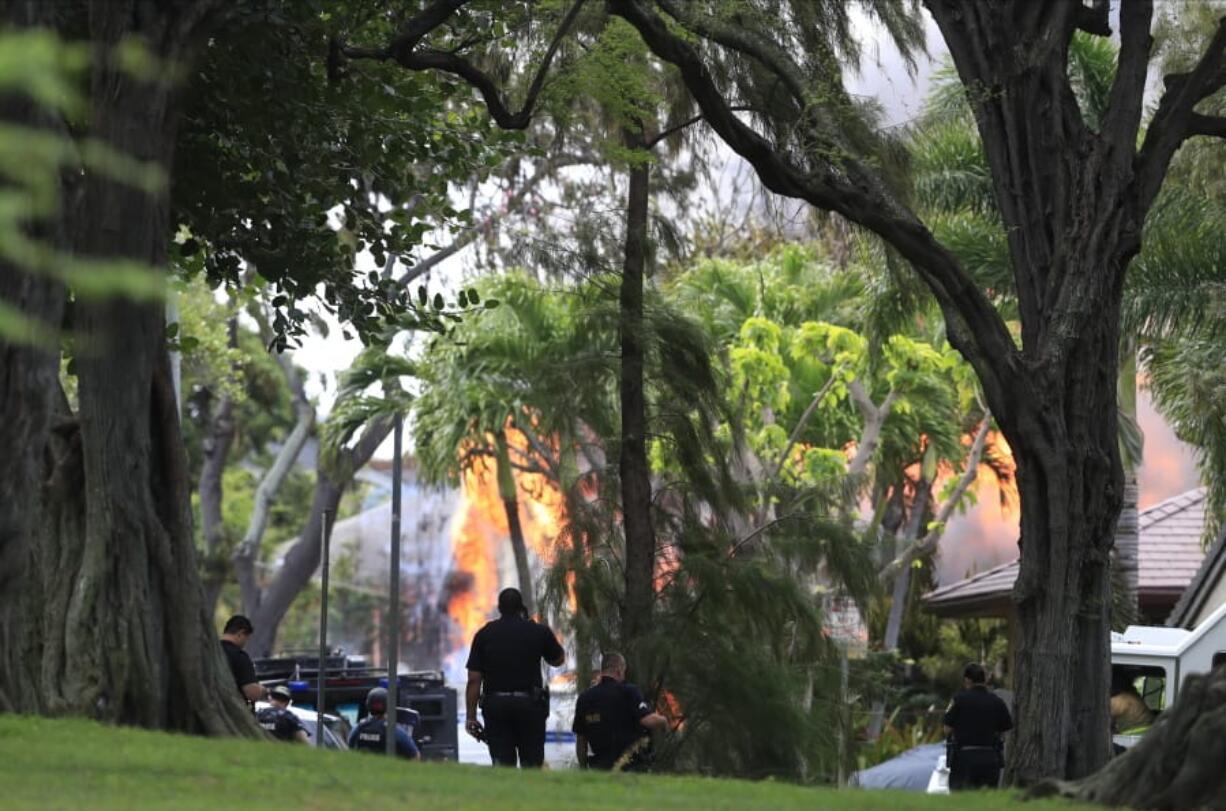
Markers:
point(632, 461)
point(108, 617)
point(29, 390)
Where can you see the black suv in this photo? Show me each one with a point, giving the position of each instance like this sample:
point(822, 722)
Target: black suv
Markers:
point(426, 707)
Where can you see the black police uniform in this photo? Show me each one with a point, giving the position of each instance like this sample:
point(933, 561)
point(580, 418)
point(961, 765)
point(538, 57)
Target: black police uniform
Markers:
point(368, 736)
point(240, 665)
point(977, 717)
point(514, 705)
point(607, 715)
point(282, 723)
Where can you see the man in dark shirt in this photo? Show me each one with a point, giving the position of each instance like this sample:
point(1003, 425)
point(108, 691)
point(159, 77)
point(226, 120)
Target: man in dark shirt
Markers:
point(613, 719)
point(278, 720)
point(504, 671)
point(976, 719)
point(234, 638)
point(370, 734)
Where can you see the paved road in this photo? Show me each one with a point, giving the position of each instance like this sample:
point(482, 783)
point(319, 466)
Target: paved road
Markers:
point(559, 745)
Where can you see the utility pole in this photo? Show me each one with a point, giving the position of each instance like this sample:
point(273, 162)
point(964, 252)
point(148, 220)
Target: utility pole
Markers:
point(321, 674)
point(393, 643)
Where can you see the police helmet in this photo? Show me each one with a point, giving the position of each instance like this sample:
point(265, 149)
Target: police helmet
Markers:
point(376, 700)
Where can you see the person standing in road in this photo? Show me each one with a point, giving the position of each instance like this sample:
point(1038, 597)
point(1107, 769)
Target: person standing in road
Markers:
point(504, 673)
point(278, 720)
point(976, 719)
point(614, 720)
point(370, 734)
point(234, 638)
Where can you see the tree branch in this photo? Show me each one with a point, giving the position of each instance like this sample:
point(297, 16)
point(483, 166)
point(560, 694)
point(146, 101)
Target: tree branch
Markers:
point(739, 38)
point(1171, 124)
point(266, 493)
point(975, 327)
point(1211, 125)
point(469, 235)
point(930, 539)
point(403, 50)
point(1122, 120)
point(801, 424)
point(547, 456)
point(874, 420)
point(1095, 19)
point(673, 129)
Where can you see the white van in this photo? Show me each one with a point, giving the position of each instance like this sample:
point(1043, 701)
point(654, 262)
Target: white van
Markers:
point(1157, 660)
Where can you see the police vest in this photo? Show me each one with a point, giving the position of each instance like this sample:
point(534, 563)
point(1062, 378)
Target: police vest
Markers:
point(371, 735)
point(275, 720)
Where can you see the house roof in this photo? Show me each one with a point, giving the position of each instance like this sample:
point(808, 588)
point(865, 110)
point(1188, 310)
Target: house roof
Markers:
point(1168, 559)
point(1207, 576)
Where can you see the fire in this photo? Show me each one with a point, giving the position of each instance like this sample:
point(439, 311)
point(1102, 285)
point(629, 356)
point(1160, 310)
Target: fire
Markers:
point(472, 538)
point(481, 535)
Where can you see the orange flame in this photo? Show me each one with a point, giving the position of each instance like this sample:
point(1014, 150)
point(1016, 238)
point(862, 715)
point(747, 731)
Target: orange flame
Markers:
point(481, 533)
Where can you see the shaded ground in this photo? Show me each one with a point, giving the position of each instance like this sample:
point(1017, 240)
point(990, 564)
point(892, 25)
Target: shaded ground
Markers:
point(73, 764)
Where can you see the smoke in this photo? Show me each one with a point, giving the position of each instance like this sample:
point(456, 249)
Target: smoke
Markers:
point(986, 535)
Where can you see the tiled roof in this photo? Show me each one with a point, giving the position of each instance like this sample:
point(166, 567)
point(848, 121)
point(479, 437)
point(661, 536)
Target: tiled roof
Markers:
point(1169, 556)
point(995, 582)
point(1171, 551)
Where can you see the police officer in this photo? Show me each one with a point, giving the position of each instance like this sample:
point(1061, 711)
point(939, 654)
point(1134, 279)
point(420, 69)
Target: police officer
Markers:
point(369, 735)
point(504, 672)
point(234, 638)
point(975, 721)
point(277, 719)
point(613, 719)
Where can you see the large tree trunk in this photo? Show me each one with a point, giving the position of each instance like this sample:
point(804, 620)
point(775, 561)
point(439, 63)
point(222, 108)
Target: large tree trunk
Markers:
point(632, 464)
point(110, 590)
point(28, 388)
point(1063, 432)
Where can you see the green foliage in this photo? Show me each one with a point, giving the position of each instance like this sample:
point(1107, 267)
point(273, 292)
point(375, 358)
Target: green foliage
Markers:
point(285, 170)
point(1188, 384)
point(962, 641)
point(538, 363)
point(754, 686)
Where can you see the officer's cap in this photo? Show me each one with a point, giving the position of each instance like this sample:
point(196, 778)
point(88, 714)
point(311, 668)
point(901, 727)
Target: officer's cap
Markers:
point(281, 691)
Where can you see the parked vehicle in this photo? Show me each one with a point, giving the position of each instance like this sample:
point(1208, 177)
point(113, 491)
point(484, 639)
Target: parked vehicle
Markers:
point(336, 729)
point(426, 707)
point(1157, 660)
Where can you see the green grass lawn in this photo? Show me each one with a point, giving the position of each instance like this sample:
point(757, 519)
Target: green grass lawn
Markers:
point(74, 764)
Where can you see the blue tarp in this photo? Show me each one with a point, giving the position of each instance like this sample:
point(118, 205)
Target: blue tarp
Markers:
point(909, 771)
